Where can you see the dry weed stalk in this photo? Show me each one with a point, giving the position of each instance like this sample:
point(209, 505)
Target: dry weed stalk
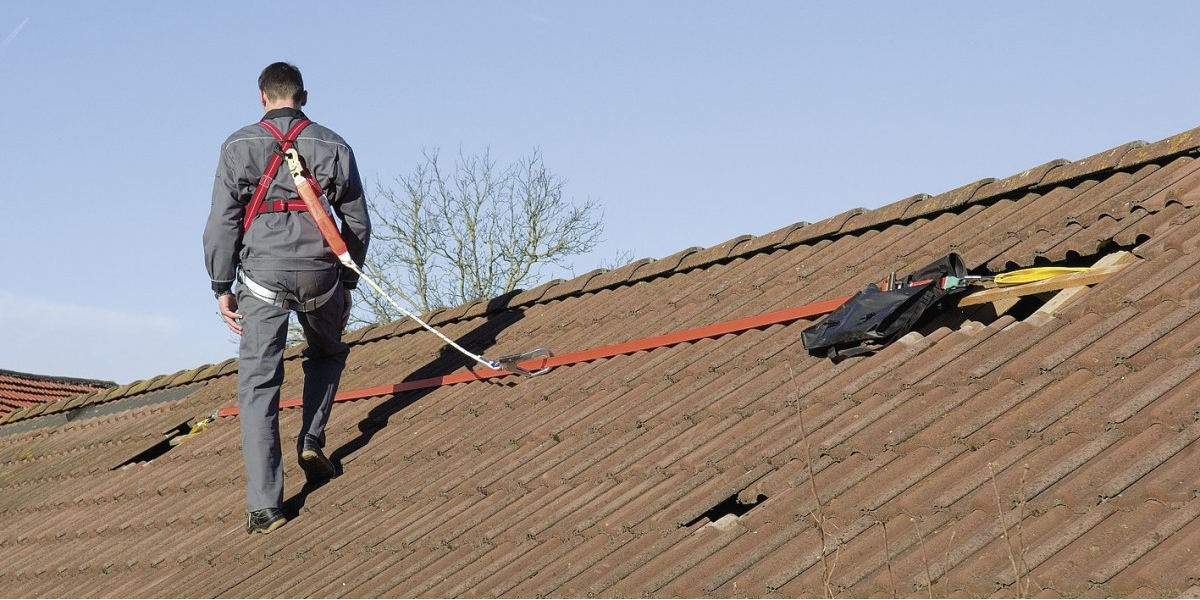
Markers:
point(887, 557)
point(818, 514)
point(924, 556)
point(1016, 557)
point(946, 565)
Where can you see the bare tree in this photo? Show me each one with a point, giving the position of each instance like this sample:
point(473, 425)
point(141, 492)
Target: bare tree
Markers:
point(476, 232)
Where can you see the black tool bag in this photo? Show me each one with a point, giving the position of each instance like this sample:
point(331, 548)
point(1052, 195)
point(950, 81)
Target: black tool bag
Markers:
point(874, 318)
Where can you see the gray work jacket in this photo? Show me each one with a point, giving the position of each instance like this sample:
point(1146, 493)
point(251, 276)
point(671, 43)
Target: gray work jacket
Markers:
point(288, 240)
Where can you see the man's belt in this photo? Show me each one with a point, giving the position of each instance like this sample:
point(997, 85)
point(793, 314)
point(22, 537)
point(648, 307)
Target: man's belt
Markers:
point(284, 299)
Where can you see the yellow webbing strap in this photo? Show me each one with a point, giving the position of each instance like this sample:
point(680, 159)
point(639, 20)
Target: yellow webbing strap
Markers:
point(1035, 274)
point(200, 425)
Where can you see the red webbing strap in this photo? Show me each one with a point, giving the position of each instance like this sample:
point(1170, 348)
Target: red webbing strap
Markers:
point(283, 205)
point(788, 315)
point(264, 182)
point(284, 147)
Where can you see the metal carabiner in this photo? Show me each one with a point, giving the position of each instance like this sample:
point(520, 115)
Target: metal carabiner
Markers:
point(509, 362)
point(295, 167)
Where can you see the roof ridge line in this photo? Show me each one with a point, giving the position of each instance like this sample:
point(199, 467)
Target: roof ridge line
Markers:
point(1127, 156)
point(1055, 172)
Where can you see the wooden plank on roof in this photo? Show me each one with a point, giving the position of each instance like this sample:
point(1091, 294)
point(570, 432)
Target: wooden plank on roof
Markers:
point(1073, 281)
point(1068, 295)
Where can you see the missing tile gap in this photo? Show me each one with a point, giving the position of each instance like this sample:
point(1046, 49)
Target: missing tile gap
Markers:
point(158, 449)
point(730, 506)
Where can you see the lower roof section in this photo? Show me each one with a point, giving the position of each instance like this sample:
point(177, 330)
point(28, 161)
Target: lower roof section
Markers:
point(24, 390)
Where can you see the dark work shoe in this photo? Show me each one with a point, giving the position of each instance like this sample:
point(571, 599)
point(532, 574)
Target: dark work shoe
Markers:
point(265, 521)
point(317, 467)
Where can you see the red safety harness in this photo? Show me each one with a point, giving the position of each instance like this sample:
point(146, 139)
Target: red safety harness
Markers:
point(257, 205)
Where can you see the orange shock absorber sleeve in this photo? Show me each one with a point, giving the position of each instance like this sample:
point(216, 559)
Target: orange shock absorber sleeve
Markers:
point(316, 208)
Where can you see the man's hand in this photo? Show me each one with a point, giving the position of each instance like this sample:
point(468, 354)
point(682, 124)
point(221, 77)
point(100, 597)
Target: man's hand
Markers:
point(227, 305)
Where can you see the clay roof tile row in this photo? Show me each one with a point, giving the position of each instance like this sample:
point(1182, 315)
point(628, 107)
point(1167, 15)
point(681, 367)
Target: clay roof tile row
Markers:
point(25, 392)
point(728, 466)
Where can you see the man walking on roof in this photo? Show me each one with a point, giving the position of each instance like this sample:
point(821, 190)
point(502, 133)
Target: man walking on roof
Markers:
point(259, 233)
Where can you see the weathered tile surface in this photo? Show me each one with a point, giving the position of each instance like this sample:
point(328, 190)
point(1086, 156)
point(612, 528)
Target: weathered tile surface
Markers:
point(1063, 442)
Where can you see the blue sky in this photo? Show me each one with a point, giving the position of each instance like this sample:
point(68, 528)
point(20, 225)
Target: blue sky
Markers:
point(690, 123)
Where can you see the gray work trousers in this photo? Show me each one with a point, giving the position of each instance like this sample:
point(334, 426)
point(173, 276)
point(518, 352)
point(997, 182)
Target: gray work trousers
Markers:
point(260, 373)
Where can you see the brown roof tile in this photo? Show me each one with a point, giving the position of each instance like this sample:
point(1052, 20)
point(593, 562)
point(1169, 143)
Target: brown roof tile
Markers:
point(620, 476)
point(947, 201)
point(831, 226)
point(1187, 141)
point(802, 229)
point(1095, 164)
point(1014, 184)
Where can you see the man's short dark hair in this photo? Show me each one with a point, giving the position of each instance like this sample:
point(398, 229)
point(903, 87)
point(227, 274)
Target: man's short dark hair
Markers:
point(281, 81)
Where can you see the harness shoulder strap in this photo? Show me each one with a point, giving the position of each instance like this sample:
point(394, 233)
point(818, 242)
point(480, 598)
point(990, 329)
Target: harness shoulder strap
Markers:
point(264, 182)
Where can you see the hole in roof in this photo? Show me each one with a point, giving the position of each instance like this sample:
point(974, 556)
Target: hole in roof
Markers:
point(1026, 306)
point(946, 315)
point(1018, 306)
point(730, 506)
point(159, 449)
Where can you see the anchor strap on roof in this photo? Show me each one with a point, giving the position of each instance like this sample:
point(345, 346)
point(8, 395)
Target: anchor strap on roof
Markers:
point(543, 363)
